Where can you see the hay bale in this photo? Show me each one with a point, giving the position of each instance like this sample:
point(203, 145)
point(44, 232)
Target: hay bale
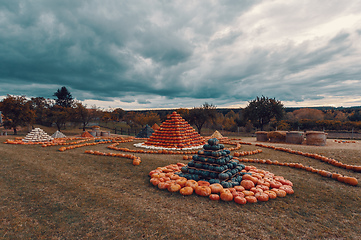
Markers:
point(261, 136)
point(295, 137)
point(277, 136)
point(316, 138)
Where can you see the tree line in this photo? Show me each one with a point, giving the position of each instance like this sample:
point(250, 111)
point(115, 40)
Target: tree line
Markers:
point(262, 113)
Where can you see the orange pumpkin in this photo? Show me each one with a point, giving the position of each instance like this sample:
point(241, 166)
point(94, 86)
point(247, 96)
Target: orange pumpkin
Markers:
point(251, 199)
point(186, 191)
point(164, 179)
point(174, 176)
point(247, 184)
point(214, 197)
point(163, 185)
point(256, 190)
point(279, 192)
point(191, 183)
point(236, 193)
point(341, 178)
point(288, 189)
point(239, 188)
point(248, 193)
point(351, 180)
point(158, 175)
point(263, 187)
point(181, 181)
point(174, 187)
point(203, 183)
point(226, 196)
point(275, 184)
point(216, 187)
point(271, 194)
point(262, 197)
point(336, 175)
point(154, 181)
point(203, 191)
point(240, 200)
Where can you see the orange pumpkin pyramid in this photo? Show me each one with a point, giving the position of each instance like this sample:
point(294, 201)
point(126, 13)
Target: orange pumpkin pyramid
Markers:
point(86, 134)
point(175, 132)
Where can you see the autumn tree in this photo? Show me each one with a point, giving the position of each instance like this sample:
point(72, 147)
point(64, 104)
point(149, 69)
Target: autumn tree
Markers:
point(355, 116)
point(106, 117)
point(261, 110)
point(240, 120)
point(151, 118)
point(218, 121)
point(184, 112)
point(117, 114)
point(17, 112)
point(42, 106)
point(84, 115)
point(308, 113)
point(201, 115)
point(64, 98)
point(129, 119)
point(229, 122)
point(60, 115)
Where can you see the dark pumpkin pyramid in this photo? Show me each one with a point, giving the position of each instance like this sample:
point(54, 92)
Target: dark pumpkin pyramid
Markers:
point(146, 132)
point(175, 132)
point(214, 164)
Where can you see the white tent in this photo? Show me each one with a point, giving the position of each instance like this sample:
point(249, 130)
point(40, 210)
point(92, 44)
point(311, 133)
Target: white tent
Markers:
point(58, 134)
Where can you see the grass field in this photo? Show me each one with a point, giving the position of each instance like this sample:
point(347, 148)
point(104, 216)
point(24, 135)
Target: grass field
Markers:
point(47, 194)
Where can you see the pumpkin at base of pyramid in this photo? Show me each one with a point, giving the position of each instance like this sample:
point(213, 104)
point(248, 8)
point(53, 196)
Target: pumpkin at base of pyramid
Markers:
point(174, 134)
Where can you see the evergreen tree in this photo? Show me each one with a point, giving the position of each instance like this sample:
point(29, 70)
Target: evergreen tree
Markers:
point(64, 98)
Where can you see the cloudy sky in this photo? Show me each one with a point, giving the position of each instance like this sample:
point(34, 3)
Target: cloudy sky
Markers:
point(145, 54)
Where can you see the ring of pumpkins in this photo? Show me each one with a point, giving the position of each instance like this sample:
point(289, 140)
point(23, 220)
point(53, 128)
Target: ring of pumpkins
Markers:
point(215, 174)
point(256, 186)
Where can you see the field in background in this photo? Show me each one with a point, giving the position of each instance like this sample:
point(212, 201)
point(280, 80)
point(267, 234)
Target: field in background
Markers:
point(45, 193)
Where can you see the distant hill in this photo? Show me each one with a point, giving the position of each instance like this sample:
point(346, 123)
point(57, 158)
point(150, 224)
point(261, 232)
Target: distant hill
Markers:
point(224, 111)
point(324, 108)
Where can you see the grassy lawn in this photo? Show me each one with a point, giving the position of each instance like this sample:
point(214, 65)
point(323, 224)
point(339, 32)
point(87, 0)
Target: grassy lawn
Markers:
point(47, 194)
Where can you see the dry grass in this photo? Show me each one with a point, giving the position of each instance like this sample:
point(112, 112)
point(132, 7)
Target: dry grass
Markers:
point(47, 194)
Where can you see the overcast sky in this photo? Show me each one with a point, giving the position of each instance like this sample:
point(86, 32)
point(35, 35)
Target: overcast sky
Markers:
point(145, 54)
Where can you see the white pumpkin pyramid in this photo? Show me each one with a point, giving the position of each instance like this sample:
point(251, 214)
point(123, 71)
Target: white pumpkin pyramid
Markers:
point(37, 135)
point(58, 134)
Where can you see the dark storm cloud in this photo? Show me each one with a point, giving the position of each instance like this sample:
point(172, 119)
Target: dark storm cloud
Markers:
point(179, 54)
